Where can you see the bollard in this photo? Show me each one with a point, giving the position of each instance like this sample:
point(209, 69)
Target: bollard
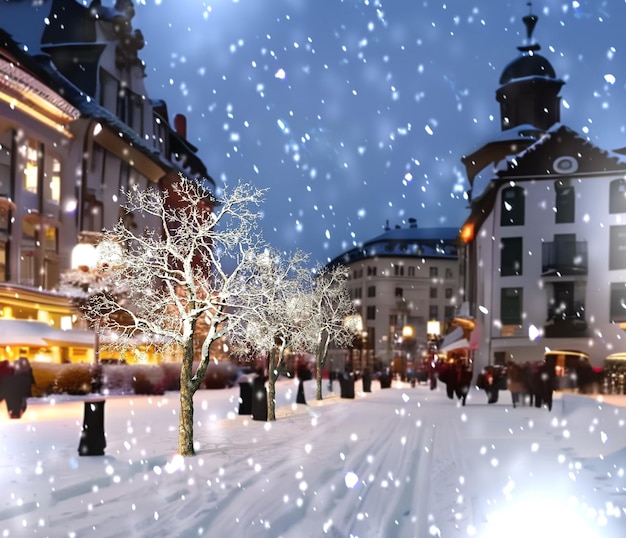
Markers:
point(300, 398)
point(346, 385)
point(92, 440)
point(367, 380)
point(259, 399)
point(245, 398)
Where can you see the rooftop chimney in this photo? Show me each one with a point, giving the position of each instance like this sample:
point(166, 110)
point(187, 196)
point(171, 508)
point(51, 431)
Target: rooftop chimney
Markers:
point(412, 223)
point(180, 124)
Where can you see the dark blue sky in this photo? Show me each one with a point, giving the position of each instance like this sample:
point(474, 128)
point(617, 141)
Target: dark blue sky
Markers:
point(354, 112)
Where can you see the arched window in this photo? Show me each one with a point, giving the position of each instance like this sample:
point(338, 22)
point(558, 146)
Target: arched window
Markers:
point(512, 207)
point(617, 197)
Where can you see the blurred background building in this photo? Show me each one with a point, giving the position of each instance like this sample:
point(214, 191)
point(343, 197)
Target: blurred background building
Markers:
point(399, 281)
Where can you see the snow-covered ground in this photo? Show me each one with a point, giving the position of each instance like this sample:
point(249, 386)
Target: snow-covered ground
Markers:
point(401, 462)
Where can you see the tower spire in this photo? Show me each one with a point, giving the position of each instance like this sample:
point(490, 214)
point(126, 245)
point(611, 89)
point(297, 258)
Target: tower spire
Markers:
point(530, 22)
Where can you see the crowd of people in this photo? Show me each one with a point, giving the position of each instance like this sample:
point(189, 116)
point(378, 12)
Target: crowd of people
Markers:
point(530, 383)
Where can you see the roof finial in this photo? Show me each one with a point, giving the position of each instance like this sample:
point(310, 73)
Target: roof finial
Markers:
point(530, 20)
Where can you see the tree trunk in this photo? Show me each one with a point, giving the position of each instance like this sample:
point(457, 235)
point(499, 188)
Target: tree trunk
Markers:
point(318, 378)
point(320, 360)
point(271, 393)
point(187, 390)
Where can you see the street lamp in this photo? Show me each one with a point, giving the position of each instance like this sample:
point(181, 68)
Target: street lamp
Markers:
point(408, 340)
point(87, 261)
point(354, 323)
point(433, 332)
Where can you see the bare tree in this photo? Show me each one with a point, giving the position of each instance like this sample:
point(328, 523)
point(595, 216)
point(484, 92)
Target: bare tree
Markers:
point(330, 307)
point(274, 313)
point(187, 268)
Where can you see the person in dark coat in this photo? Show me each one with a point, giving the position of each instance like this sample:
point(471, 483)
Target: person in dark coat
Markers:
point(457, 379)
point(489, 380)
point(541, 380)
point(548, 382)
point(462, 380)
point(6, 377)
point(584, 378)
point(516, 381)
point(445, 374)
point(18, 388)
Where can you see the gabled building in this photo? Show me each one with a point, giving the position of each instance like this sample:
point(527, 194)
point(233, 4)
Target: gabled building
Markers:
point(399, 281)
point(545, 241)
point(76, 127)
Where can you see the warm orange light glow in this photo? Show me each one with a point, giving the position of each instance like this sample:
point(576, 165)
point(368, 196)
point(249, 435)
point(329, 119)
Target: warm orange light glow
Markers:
point(433, 328)
point(467, 233)
point(30, 111)
point(408, 331)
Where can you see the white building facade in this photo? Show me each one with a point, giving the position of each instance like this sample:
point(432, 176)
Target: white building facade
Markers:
point(545, 241)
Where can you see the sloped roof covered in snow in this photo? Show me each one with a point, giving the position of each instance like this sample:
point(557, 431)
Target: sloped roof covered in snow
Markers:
point(409, 242)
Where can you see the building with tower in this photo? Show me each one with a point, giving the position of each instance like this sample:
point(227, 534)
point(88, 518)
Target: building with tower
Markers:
point(544, 245)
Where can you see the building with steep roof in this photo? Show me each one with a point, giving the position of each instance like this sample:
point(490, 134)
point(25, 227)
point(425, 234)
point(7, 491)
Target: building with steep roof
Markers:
point(399, 281)
point(76, 127)
point(544, 252)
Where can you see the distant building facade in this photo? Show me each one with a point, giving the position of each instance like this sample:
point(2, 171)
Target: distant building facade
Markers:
point(544, 255)
point(76, 126)
point(399, 281)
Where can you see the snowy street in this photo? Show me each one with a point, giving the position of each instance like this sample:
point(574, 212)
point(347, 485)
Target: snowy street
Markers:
point(402, 462)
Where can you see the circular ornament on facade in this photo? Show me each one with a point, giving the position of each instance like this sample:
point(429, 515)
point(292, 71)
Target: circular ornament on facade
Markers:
point(565, 165)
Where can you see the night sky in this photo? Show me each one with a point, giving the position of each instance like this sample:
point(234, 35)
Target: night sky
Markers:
point(354, 113)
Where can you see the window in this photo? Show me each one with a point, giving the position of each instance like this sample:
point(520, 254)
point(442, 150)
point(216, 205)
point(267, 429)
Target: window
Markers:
point(433, 311)
point(398, 270)
point(565, 202)
point(448, 293)
point(357, 293)
point(51, 259)
point(617, 248)
point(371, 291)
point(617, 196)
point(618, 302)
point(6, 169)
point(511, 256)
point(562, 304)
point(412, 270)
point(448, 313)
point(371, 312)
point(52, 179)
point(399, 292)
point(433, 293)
point(449, 273)
point(371, 271)
point(511, 306)
point(434, 272)
point(512, 208)
point(27, 253)
point(31, 167)
point(4, 253)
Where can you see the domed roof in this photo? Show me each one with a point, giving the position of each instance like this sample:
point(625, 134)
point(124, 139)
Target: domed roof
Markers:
point(527, 65)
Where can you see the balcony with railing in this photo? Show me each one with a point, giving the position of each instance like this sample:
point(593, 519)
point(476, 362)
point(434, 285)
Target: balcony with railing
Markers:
point(564, 258)
point(566, 322)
